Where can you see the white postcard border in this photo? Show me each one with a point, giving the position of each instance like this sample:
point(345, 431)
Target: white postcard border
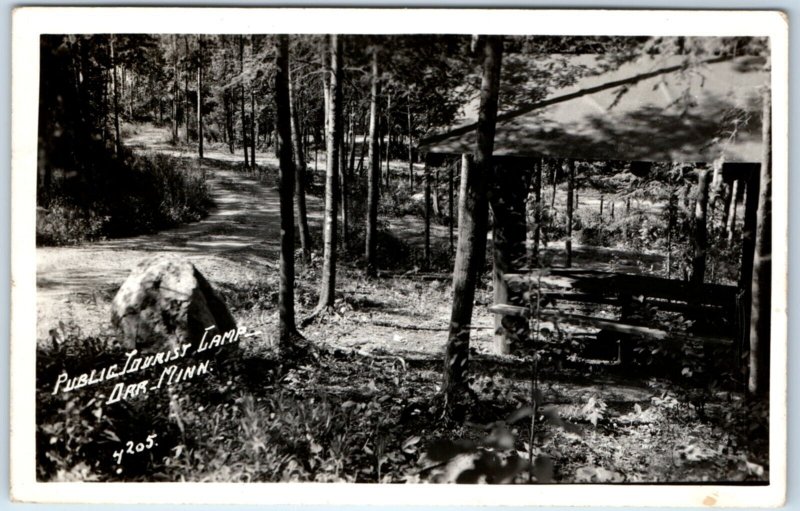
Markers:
point(29, 23)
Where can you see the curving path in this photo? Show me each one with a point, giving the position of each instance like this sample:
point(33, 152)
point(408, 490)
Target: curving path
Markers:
point(230, 246)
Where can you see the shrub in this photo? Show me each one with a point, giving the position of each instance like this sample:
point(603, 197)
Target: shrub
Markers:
point(63, 223)
point(117, 198)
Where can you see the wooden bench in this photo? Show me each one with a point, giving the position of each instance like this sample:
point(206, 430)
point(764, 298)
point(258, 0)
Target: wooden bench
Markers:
point(609, 288)
point(610, 325)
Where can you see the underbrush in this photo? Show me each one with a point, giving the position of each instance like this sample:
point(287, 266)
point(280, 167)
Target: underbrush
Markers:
point(345, 417)
point(141, 194)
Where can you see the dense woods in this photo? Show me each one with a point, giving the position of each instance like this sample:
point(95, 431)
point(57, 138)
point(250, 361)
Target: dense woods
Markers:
point(422, 289)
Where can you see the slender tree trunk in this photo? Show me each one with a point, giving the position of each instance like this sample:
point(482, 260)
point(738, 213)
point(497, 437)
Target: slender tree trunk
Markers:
point(411, 156)
point(670, 226)
point(700, 237)
point(730, 226)
point(388, 138)
point(473, 208)
point(761, 289)
point(537, 215)
point(374, 176)
point(241, 97)
point(229, 121)
point(326, 93)
point(435, 193)
point(200, 97)
point(117, 140)
point(554, 182)
point(253, 138)
point(570, 198)
point(725, 190)
point(175, 89)
point(328, 284)
point(427, 253)
point(364, 148)
point(343, 188)
point(286, 179)
point(300, 177)
point(450, 199)
point(351, 167)
point(186, 102)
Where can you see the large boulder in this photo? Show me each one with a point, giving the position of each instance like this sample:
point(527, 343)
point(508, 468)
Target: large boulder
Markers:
point(166, 302)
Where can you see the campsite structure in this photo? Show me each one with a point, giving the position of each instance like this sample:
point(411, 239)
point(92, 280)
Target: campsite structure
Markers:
point(655, 109)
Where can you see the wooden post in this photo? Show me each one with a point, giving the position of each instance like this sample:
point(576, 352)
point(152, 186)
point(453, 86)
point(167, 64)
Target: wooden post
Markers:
point(700, 235)
point(601, 208)
point(570, 197)
point(507, 197)
point(758, 380)
point(748, 229)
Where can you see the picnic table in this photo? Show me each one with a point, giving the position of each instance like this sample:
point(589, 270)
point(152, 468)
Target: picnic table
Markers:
point(589, 286)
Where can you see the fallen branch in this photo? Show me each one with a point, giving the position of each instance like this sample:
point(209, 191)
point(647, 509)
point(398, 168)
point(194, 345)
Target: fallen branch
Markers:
point(389, 324)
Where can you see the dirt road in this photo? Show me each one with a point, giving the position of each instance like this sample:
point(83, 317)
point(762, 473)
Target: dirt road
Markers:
point(230, 246)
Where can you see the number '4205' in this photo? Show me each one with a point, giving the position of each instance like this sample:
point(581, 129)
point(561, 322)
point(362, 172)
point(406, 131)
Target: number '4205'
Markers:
point(134, 448)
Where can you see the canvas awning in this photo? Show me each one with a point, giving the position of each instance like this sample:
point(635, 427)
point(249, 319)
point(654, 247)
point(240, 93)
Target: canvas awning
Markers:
point(653, 109)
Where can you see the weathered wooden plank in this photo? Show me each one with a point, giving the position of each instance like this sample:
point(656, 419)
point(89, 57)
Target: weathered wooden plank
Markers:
point(624, 328)
point(615, 284)
point(510, 310)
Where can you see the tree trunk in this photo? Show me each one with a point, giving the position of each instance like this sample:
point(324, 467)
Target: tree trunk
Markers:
point(351, 166)
point(730, 226)
point(450, 199)
point(300, 177)
point(186, 103)
point(554, 182)
point(427, 252)
point(229, 121)
point(388, 137)
point(241, 98)
point(175, 89)
point(700, 235)
point(411, 158)
point(570, 198)
point(725, 191)
point(671, 207)
point(374, 176)
point(472, 231)
point(328, 284)
point(253, 127)
point(117, 141)
point(200, 97)
point(761, 289)
point(343, 188)
point(286, 179)
point(537, 214)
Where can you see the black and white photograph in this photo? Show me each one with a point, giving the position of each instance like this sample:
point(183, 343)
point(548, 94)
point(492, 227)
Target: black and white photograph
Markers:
point(384, 255)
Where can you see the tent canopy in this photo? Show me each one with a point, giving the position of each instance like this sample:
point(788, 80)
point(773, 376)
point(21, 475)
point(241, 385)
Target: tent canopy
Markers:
point(652, 109)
